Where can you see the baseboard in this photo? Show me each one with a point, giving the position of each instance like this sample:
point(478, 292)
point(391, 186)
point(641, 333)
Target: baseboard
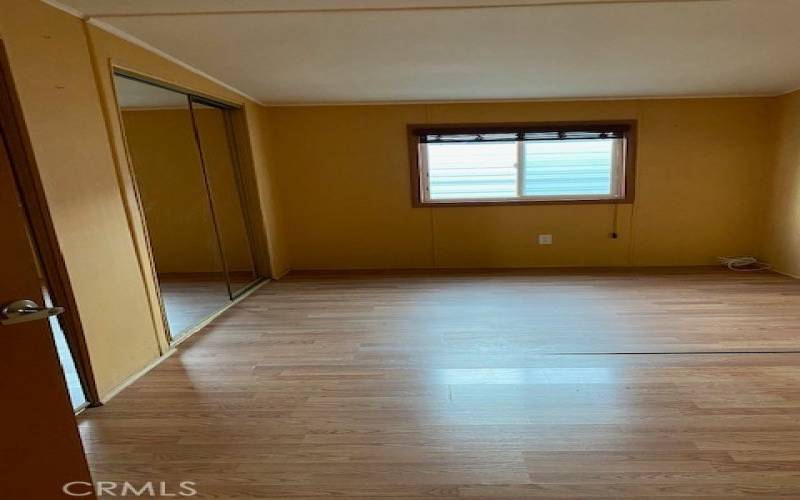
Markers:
point(543, 270)
point(201, 276)
point(788, 275)
point(282, 273)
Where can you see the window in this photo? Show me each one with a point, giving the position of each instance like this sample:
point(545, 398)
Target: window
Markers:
point(530, 163)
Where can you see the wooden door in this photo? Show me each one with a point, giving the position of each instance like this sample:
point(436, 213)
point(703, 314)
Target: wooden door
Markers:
point(40, 449)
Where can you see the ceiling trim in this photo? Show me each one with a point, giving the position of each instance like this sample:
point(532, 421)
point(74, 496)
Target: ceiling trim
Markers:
point(790, 91)
point(141, 43)
point(348, 10)
point(65, 8)
point(524, 100)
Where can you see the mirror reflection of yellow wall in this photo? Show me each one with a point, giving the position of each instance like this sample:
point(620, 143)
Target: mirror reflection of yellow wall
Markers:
point(170, 177)
point(218, 154)
point(184, 156)
point(172, 190)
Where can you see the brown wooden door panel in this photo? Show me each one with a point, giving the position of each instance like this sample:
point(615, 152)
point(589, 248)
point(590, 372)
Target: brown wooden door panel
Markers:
point(40, 449)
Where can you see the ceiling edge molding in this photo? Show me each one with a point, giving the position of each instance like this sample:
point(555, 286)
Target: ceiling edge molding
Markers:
point(65, 8)
point(523, 100)
point(141, 43)
point(790, 91)
point(396, 8)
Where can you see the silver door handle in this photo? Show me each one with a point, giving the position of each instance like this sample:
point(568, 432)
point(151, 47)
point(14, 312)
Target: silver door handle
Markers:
point(21, 311)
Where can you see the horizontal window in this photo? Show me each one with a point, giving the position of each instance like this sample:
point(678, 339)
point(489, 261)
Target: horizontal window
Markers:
point(498, 164)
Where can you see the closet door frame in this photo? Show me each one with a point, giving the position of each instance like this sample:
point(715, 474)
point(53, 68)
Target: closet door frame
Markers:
point(135, 201)
point(233, 146)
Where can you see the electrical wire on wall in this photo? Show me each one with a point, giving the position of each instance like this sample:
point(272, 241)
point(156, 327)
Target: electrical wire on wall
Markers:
point(615, 223)
point(744, 263)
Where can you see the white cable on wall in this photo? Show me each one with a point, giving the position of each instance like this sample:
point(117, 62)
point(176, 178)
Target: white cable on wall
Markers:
point(744, 263)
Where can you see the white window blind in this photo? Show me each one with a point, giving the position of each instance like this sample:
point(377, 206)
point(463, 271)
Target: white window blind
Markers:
point(568, 168)
point(472, 170)
point(524, 165)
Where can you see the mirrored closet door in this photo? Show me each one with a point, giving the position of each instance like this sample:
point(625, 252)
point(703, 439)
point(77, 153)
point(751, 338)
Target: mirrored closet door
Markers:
point(185, 165)
point(218, 147)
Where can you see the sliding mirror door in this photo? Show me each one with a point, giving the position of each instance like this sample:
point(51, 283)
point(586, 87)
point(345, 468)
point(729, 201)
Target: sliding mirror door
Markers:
point(172, 189)
point(220, 155)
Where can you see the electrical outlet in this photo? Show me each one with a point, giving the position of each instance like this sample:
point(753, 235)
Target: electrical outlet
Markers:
point(545, 239)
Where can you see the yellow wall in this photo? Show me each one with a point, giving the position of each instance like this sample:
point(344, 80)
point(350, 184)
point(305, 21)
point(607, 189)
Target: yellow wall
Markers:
point(51, 69)
point(343, 174)
point(84, 172)
point(783, 241)
point(173, 192)
point(218, 157)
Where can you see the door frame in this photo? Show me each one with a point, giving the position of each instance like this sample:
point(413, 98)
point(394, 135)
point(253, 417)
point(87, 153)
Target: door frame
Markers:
point(33, 197)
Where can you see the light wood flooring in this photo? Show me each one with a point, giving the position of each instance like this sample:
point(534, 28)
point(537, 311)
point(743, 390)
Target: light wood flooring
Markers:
point(559, 384)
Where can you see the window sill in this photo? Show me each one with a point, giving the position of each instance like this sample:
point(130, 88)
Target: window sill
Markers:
point(505, 203)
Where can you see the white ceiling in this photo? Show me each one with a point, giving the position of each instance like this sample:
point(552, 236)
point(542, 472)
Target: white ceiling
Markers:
point(329, 51)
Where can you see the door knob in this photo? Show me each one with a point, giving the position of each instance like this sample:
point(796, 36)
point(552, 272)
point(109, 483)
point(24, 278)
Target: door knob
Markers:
point(21, 311)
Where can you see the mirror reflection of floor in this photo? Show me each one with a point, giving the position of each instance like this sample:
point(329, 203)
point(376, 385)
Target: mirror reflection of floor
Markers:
point(190, 300)
point(241, 280)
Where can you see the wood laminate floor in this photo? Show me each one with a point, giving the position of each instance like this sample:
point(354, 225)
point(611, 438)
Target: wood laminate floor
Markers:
point(493, 386)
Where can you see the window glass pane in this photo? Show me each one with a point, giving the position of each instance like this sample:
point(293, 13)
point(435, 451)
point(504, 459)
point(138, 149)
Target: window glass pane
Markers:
point(572, 167)
point(472, 171)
